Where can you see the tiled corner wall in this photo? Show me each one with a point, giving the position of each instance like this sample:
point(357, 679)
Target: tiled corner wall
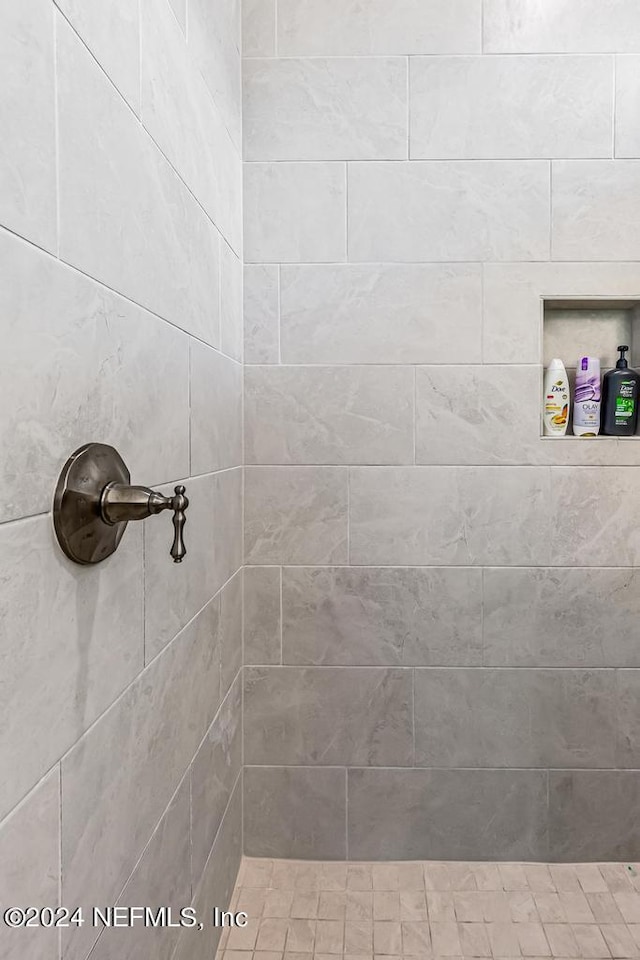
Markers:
point(441, 610)
point(121, 313)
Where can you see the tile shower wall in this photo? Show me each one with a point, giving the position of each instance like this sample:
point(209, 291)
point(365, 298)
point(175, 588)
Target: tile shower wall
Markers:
point(441, 610)
point(121, 306)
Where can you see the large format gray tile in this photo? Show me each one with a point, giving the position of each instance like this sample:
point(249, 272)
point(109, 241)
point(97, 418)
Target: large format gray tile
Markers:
point(447, 814)
point(230, 632)
point(515, 718)
point(216, 887)
point(295, 515)
point(125, 217)
point(595, 210)
point(258, 28)
point(88, 350)
point(294, 212)
point(467, 415)
point(228, 516)
point(351, 28)
point(387, 616)
point(162, 878)
point(216, 410)
point(381, 313)
point(328, 415)
point(627, 691)
point(512, 301)
point(556, 617)
point(458, 210)
point(627, 143)
point(608, 497)
point(180, 115)
point(593, 815)
point(449, 515)
point(325, 109)
point(295, 812)
point(231, 305)
point(27, 120)
point(72, 639)
point(112, 33)
point(328, 716)
point(261, 313)
point(262, 615)
point(214, 773)
point(574, 26)
point(511, 107)
point(214, 42)
point(113, 799)
point(30, 857)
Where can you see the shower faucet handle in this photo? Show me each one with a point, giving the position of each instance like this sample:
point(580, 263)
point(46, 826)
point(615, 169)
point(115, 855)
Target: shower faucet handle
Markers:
point(122, 502)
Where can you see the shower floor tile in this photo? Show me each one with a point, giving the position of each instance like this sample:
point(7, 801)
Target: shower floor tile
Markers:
point(303, 910)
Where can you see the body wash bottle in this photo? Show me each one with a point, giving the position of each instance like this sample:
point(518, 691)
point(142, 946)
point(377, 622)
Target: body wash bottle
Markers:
point(555, 405)
point(620, 390)
point(586, 402)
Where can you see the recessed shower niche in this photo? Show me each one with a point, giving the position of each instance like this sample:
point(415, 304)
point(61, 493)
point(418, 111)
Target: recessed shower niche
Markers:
point(577, 327)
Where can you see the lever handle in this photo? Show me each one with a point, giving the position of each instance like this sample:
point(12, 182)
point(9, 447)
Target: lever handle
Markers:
point(179, 504)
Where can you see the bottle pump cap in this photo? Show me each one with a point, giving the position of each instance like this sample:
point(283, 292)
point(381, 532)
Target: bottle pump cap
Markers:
point(622, 362)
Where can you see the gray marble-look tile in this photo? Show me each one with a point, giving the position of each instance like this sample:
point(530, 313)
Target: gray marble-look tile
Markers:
point(328, 716)
point(179, 8)
point(71, 641)
point(387, 616)
point(230, 632)
point(574, 26)
point(216, 410)
point(626, 695)
point(454, 210)
point(468, 415)
point(593, 815)
point(228, 505)
point(30, 857)
point(183, 119)
point(380, 313)
point(512, 301)
point(217, 884)
point(627, 143)
point(27, 119)
point(262, 638)
point(325, 109)
point(332, 415)
point(595, 516)
point(261, 313)
point(595, 211)
point(351, 28)
point(214, 772)
point(515, 718)
point(89, 351)
point(556, 617)
point(447, 814)
point(258, 28)
point(450, 515)
point(231, 303)
point(295, 515)
point(294, 212)
point(112, 798)
point(161, 879)
point(125, 217)
point(214, 41)
point(295, 812)
point(511, 107)
point(112, 32)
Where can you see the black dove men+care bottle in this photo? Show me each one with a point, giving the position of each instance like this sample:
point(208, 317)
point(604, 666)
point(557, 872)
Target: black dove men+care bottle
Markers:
point(620, 391)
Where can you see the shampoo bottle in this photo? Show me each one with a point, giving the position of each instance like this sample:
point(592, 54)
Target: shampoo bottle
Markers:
point(620, 391)
point(555, 406)
point(586, 401)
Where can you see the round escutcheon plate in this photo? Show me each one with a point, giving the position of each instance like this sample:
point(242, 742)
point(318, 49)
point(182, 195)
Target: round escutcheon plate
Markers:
point(82, 533)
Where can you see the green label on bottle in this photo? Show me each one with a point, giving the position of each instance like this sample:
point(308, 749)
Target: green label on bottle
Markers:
point(624, 406)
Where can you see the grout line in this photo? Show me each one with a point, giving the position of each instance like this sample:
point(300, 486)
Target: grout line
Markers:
point(275, 29)
point(281, 621)
point(56, 99)
point(614, 108)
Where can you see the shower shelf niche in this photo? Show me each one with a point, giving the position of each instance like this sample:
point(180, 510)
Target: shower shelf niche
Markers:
point(574, 327)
